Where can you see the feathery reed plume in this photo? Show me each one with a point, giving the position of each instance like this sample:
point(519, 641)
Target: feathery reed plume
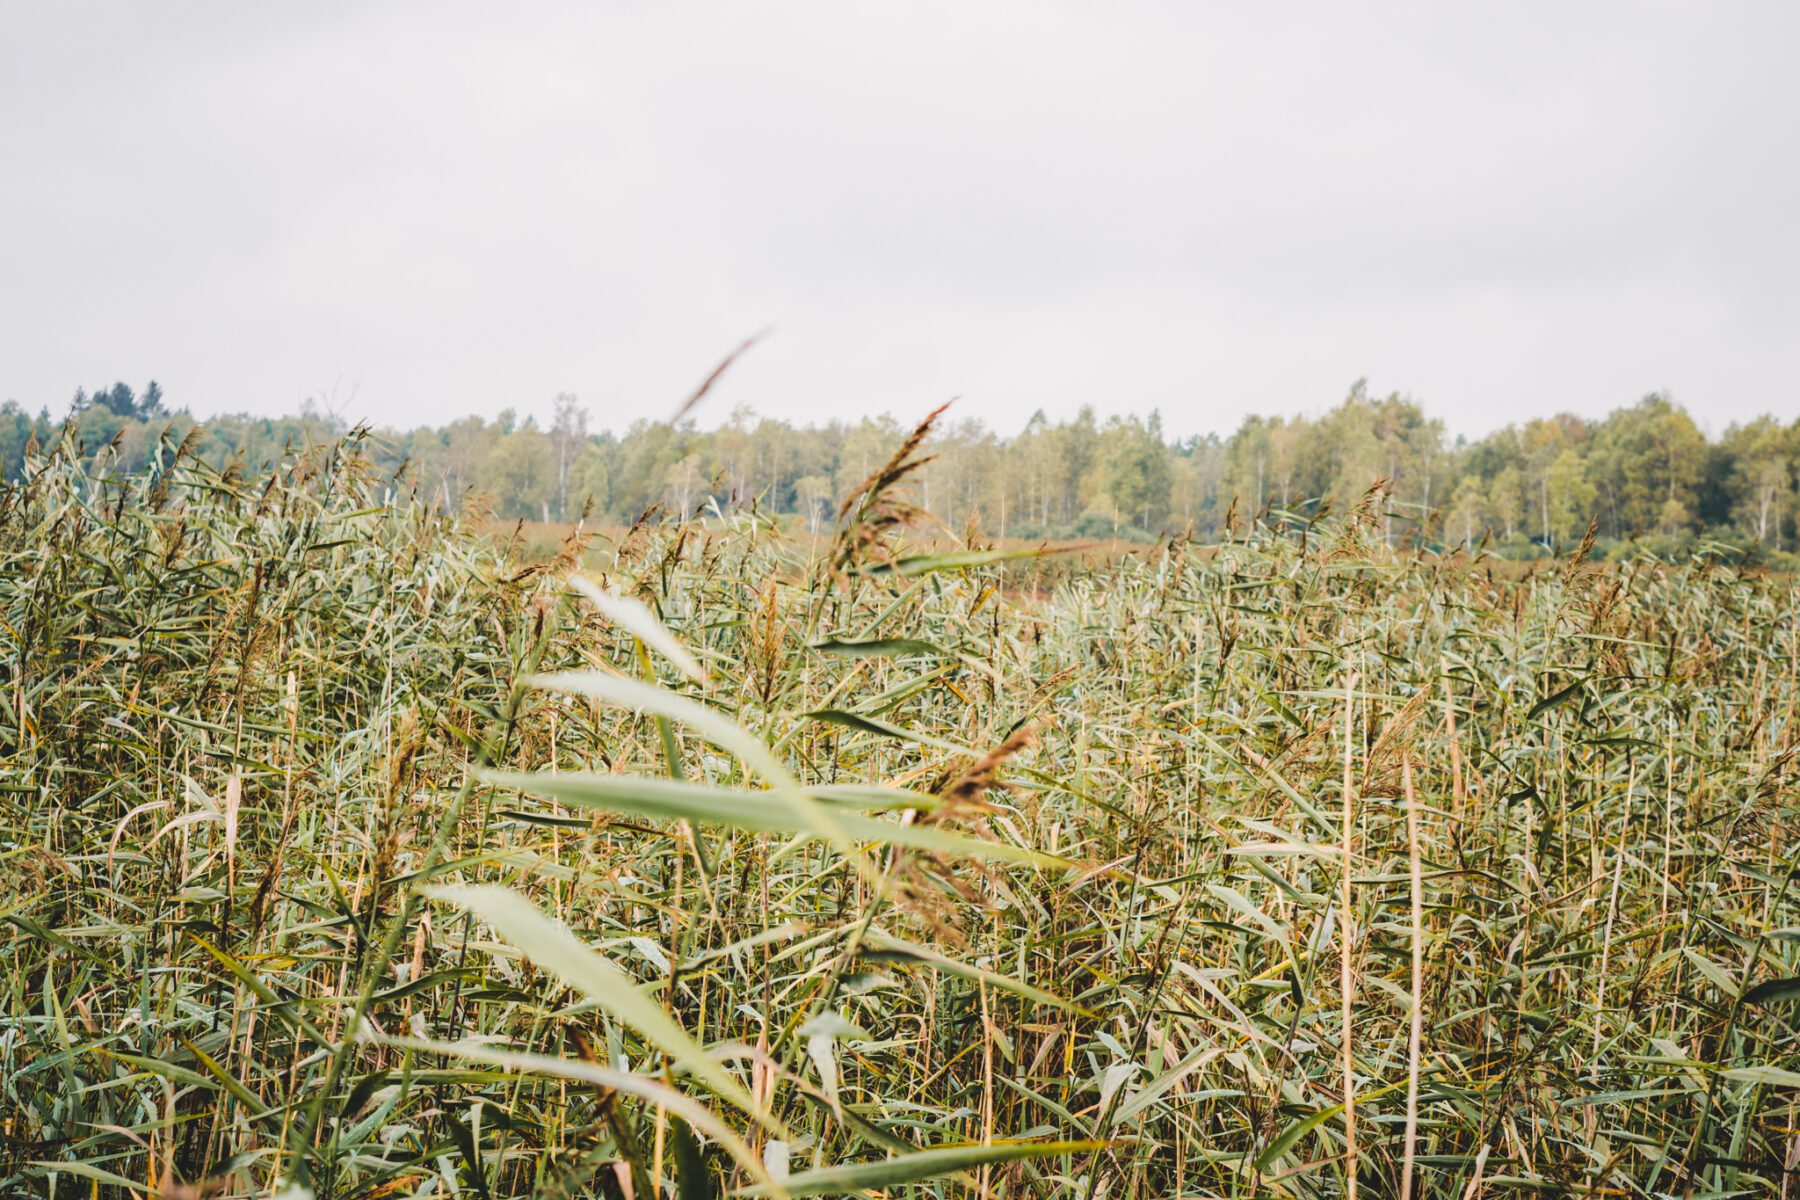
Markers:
point(876, 508)
point(1585, 548)
point(966, 789)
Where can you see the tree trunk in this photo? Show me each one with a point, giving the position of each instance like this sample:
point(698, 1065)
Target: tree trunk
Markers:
point(1544, 485)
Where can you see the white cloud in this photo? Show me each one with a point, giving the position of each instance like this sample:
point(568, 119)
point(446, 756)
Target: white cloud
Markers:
point(1502, 210)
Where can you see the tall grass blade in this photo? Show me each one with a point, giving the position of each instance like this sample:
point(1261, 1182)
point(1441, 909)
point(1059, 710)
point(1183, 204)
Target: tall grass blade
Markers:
point(917, 1167)
point(556, 950)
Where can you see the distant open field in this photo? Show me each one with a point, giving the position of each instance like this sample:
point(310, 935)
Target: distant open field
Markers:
point(355, 852)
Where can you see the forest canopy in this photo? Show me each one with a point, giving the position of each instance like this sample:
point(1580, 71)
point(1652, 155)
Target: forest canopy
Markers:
point(1645, 475)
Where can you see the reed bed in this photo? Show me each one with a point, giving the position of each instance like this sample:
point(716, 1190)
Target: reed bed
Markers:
point(347, 855)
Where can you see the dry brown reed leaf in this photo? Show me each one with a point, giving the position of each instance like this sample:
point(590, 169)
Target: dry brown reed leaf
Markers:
point(706, 385)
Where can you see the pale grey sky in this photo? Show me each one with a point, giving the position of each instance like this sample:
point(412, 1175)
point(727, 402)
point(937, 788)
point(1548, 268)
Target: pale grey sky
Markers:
point(443, 208)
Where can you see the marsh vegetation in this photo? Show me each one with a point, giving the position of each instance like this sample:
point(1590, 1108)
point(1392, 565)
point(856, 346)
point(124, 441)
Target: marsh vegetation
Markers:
point(345, 851)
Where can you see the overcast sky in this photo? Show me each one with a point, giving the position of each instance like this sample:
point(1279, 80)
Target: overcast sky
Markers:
point(433, 209)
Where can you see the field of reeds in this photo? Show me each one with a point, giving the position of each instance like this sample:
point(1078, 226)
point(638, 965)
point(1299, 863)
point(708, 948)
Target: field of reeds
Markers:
point(347, 855)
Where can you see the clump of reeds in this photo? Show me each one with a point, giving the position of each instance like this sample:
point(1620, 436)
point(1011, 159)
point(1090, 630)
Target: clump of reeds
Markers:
point(345, 853)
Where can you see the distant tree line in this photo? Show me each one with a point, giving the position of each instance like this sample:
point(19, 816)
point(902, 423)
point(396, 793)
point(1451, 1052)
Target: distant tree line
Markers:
point(1645, 474)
